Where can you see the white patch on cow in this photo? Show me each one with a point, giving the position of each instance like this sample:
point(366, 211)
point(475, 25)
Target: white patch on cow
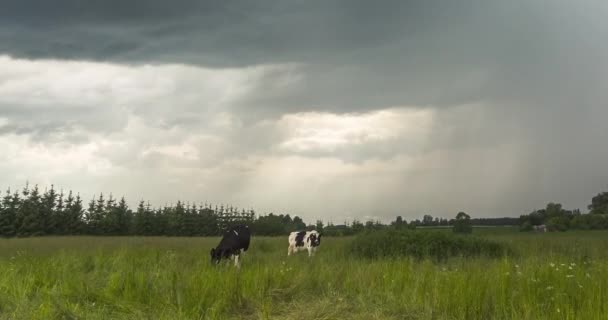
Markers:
point(236, 257)
point(307, 243)
point(235, 232)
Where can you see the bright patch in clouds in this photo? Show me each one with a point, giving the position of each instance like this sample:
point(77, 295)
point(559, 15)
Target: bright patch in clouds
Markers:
point(310, 132)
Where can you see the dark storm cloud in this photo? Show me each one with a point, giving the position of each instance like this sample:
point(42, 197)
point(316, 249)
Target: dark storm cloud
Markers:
point(353, 55)
point(212, 32)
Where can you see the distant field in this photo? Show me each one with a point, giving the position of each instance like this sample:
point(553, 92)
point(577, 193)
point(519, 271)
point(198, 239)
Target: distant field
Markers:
point(551, 276)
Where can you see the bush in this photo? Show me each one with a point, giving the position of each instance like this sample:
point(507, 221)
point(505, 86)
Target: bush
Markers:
point(557, 224)
point(527, 226)
point(424, 244)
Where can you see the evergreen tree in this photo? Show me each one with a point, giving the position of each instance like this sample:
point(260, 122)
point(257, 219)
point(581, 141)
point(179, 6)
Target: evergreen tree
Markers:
point(29, 214)
point(90, 217)
point(179, 219)
point(110, 217)
point(208, 222)
point(73, 215)
point(47, 211)
point(148, 223)
point(96, 216)
point(138, 219)
point(122, 218)
point(8, 214)
point(58, 215)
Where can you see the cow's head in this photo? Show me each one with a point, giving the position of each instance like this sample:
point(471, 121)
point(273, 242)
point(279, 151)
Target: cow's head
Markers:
point(216, 256)
point(315, 239)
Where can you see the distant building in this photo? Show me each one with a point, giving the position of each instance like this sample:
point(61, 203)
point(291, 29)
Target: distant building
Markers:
point(540, 228)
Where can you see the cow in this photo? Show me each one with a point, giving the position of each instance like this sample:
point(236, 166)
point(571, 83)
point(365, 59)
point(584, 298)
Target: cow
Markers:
point(304, 240)
point(234, 242)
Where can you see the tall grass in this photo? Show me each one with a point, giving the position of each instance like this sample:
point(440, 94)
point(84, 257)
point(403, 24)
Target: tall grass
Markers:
point(432, 244)
point(552, 276)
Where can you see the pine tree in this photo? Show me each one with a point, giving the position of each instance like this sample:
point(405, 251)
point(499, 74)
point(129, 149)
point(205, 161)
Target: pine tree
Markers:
point(8, 214)
point(148, 223)
point(139, 219)
point(29, 214)
point(206, 222)
point(47, 210)
point(163, 224)
point(179, 216)
point(121, 218)
point(73, 215)
point(96, 216)
point(110, 217)
point(58, 215)
point(188, 229)
point(90, 217)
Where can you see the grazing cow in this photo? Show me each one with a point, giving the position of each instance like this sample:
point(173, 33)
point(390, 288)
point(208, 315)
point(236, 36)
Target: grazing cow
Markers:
point(304, 240)
point(234, 242)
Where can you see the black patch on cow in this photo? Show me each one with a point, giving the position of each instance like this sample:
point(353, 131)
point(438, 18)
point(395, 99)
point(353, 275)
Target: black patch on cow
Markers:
point(300, 238)
point(234, 240)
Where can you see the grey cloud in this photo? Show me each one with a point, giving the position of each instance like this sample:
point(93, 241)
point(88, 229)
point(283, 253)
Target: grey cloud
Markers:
point(354, 55)
point(232, 32)
point(59, 123)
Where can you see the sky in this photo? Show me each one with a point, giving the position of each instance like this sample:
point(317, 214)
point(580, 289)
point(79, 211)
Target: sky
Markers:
point(328, 109)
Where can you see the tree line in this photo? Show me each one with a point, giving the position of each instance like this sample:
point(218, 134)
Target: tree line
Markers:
point(30, 212)
point(555, 218)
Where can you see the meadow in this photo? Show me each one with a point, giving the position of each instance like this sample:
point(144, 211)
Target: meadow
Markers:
point(548, 276)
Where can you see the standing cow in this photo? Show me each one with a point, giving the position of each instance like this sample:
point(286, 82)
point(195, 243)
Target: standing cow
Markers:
point(304, 240)
point(234, 242)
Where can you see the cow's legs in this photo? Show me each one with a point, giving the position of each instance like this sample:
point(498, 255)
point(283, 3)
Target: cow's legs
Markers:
point(290, 249)
point(309, 251)
point(236, 261)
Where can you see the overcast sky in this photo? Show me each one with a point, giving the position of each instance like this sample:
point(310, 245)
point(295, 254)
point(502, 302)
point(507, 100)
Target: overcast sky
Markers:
point(326, 109)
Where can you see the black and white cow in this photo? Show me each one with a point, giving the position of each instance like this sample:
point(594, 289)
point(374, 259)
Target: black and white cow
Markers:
point(304, 240)
point(234, 242)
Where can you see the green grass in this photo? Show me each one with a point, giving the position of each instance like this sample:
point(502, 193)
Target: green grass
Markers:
point(435, 245)
point(549, 276)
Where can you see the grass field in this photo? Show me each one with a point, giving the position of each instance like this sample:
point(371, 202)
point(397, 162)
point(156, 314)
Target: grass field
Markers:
point(550, 276)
